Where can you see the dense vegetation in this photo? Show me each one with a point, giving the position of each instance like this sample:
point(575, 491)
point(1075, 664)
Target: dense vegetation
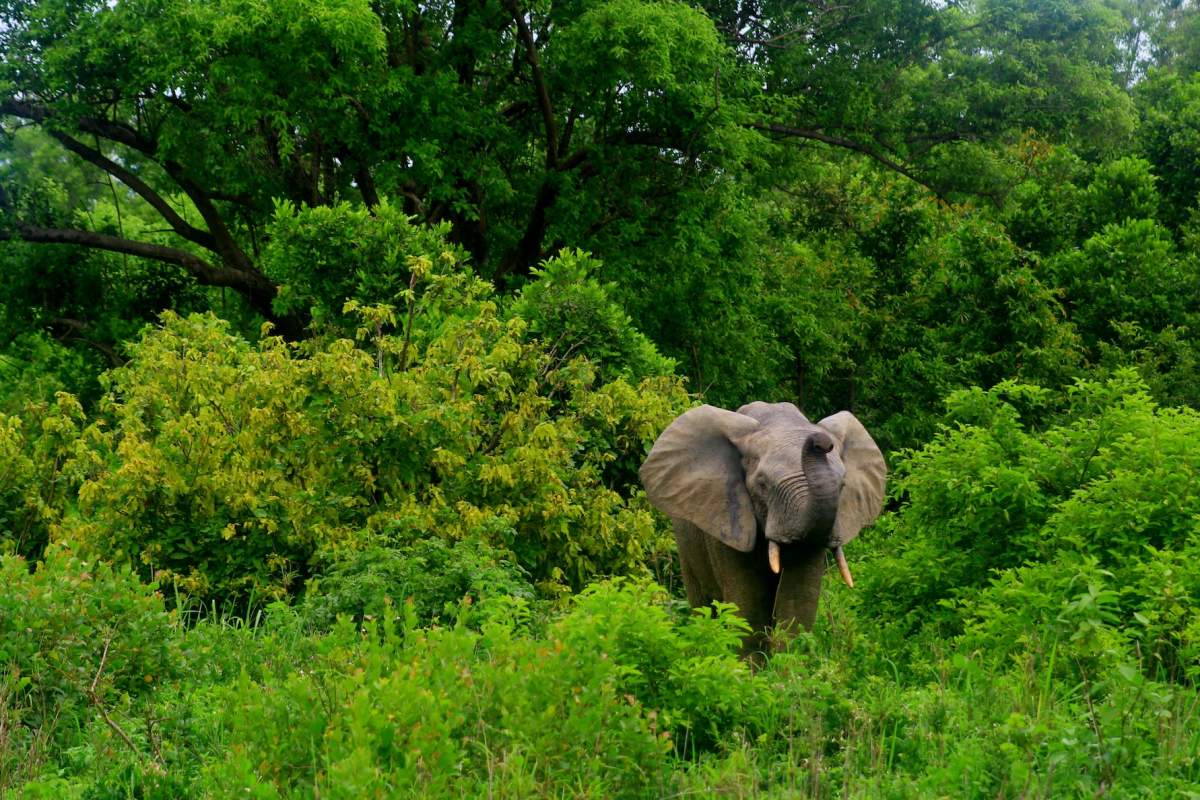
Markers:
point(333, 333)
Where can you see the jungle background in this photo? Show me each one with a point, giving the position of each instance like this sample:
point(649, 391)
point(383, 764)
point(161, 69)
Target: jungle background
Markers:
point(333, 333)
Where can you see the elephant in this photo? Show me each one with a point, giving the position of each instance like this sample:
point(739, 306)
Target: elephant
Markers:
point(756, 498)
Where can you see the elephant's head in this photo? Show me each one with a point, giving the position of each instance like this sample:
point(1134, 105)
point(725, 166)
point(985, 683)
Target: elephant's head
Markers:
point(765, 470)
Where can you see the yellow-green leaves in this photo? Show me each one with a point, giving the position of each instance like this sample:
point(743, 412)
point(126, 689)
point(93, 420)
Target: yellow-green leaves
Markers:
point(228, 468)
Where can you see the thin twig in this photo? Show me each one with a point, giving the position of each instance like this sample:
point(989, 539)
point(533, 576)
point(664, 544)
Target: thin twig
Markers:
point(100, 706)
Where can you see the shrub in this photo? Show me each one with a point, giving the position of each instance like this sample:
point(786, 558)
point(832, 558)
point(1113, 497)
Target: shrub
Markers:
point(592, 707)
point(432, 576)
point(1015, 523)
point(229, 469)
point(35, 484)
point(75, 636)
point(323, 256)
point(572, 313)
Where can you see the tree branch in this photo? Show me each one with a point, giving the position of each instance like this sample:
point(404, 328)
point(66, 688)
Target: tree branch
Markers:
point(100, 706)
point(539, 83)
point(528, 251)
point(156, 201)
point(236, 269)
point(847, 144)
point(75, 329)
point(221, 241)
point(203, 271)
point(116, 131)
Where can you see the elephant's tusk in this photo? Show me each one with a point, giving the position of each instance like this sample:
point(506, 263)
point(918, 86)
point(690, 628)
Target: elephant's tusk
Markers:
point(773, 556)
point(843, 567)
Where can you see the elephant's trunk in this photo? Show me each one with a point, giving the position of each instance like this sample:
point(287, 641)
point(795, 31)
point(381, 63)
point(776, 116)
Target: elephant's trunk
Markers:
point(804, 505)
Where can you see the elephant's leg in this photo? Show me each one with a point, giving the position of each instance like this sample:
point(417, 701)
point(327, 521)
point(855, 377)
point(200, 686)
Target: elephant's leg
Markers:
point(799, 588)
point(695, 564)
point(746, 581)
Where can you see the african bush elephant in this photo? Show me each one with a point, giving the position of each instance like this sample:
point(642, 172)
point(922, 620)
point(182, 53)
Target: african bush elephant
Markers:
point(757, 496)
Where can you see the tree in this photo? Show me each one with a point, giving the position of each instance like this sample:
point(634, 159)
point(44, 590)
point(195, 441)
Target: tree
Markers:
point(925, 89)
point(1170, 139)
point(656, 135)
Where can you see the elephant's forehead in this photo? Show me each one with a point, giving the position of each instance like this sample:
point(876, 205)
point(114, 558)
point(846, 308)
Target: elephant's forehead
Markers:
point(775, 414)
point(782, 439)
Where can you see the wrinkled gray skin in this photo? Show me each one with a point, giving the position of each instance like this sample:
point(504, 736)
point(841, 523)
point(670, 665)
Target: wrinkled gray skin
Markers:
point(733, 482)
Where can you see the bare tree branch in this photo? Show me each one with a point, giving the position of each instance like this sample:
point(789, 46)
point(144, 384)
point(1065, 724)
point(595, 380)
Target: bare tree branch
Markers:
point(115, 131)
point(221, 241)
point(75, 330)
point(156, 201)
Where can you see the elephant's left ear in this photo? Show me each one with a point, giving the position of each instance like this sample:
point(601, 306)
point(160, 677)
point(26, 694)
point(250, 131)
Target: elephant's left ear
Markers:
point(866, 475)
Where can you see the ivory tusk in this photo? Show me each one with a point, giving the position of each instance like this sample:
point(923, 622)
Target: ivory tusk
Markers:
point(773, 556)
point(843, 567)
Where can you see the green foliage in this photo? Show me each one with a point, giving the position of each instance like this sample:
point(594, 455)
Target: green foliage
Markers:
point(687, 670)
point(1108, 483)
point(229, 468)
point(34, 368)
point(572, 313)
point(1169, 104)
point(431, 576)
point(37, 484)
point(884, 206)
point(594, 705)
point(1128, 272)
point(975, 310)
point(1121, 190)
point(323, 256)
point(1045, 212)
point(625, 696)
point(76, 638)
point(818, 300)
point(255, 148)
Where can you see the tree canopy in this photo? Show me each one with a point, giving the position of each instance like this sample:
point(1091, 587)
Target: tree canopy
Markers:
point(663, 137)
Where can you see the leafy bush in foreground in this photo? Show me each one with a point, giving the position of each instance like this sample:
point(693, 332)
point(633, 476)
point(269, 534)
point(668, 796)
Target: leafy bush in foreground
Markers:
point(623, 695)
point(76, 638)
point(1111, 475)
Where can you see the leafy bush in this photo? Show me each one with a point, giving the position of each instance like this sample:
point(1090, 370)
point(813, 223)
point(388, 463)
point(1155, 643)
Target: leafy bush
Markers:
point(323, 256)
point(592, 707)
point(1045, 212)
point(625, 695)
point(75, 636)
point(227, 469)
point(1169, 103)
point(431, 575)
point(572, 313)
point(34, 368)
point(1103, 490)
point(35, 484)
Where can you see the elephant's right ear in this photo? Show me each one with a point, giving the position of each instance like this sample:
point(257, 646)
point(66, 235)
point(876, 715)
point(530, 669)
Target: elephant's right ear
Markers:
point(694, 472)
